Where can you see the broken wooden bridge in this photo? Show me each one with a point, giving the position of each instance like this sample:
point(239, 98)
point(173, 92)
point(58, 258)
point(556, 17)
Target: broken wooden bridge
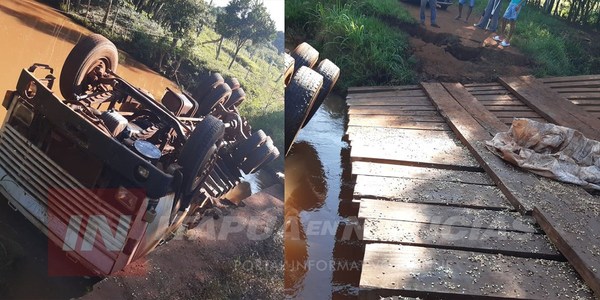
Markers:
point(443, 217)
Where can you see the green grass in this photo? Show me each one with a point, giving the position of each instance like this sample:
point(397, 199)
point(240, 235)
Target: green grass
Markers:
point(354, 36)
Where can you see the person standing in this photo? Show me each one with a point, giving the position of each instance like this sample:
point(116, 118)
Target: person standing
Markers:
point(460, 8)
point(432, 4)
point(510, 17)
point(492, 11)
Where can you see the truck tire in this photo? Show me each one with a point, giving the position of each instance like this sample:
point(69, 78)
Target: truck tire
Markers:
point(248, 145)
point(288, 69)
point(237, 97)
point(330, 73)
point(305, 55)
point(299, 96)
point(92, 51)
point(220, 94)
point(256, 158)
point(198, 155)
point(233, 82)
point(274, 153)
point(208, 82)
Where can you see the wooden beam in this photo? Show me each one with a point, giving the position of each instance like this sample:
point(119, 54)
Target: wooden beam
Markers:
point(552, 105)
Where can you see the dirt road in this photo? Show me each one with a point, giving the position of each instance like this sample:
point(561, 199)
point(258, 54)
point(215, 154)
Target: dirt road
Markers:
point(458, 51)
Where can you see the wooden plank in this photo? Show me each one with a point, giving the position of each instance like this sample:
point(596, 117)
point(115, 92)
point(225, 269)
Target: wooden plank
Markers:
point(516, 114)
point(392, 119)
point(508, 108)
point(476, 109)
point(393, 110)
point(390, 101)
point(552, 106)
point(400, 94)
point(391, 270)
point(396, 156)
point(460, 238)
point(504, 98)
point(581, 96)
point(368, 89)
point(587, 83)
point(470, 85)
point(561, 90)
point(417, 146)
point(493, 92)
point(385, 170)
point(570, 78)
point(445, 215)
point(585, 102)
point(486, 88)
point(429, 191)
point(560, 205)
point(398, 125)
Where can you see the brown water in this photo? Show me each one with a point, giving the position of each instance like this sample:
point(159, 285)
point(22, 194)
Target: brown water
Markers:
point(31, 32)
point(321, 250)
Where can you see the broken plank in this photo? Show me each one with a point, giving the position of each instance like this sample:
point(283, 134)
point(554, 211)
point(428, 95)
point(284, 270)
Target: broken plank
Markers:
point(460, 238)
point(392, 270)
point(393, 110)
point(445, 215)
point(552, 106)
point(430, 191)
point(385, 170)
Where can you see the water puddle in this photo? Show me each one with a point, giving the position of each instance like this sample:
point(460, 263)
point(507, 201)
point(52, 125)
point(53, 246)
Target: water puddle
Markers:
point(321, 251)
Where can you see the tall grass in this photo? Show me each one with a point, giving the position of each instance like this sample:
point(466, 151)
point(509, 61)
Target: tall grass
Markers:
point(352, 35)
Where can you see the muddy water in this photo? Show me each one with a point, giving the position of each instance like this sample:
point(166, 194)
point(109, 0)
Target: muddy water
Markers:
point(31, 32)
point(318, 210)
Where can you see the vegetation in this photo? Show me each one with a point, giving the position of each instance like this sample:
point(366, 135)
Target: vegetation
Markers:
point(353, 35)
point(178, 39)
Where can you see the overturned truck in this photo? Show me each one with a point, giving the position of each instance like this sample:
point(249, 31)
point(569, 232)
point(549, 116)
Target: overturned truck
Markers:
point(111, 156)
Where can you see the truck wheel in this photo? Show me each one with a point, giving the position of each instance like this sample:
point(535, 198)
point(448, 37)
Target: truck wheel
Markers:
point(237, 97)
point(299, 96)
point(218, 95)
point(248, 145)
point(288, 70)
point(305, 55)
point(256, 158)
point(233, 82)
point(330, 73)
point(90, 59)
point(274, 153)
point(199, 153)
point(208, 82)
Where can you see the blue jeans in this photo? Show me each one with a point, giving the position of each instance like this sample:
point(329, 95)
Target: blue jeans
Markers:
point(432, 4)
point(488, 14)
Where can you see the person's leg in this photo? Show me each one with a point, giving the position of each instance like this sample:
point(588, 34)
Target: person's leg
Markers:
point(432, 4)
point(471, 5)
point(494, 23)
point(486, 15)
point(460, 7)
point(500, 35)
point(422, 13)
point(513, 24)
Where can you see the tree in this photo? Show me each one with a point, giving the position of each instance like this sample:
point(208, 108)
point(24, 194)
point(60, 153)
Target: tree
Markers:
point(105, 19)
point(243, 21)
point(182, 16)
point(279, 42)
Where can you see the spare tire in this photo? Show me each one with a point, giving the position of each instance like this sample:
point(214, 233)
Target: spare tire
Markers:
point(91, 52)
point(299, 96)
point(198, 155)
point(330, 73)
point(305, 55)
point(220, 94)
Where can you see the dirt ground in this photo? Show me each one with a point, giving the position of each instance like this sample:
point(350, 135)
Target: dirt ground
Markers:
point(458, 51)
point(247, 263)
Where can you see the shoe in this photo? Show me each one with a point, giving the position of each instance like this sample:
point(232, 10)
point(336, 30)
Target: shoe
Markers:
point(435, 25)
point(497, 38)
point(457, 18)
point(476, 25)
point(504, 44)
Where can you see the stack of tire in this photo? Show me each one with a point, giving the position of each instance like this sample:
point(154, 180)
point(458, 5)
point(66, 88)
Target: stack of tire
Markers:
point(306, 86)
point(246, 152)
